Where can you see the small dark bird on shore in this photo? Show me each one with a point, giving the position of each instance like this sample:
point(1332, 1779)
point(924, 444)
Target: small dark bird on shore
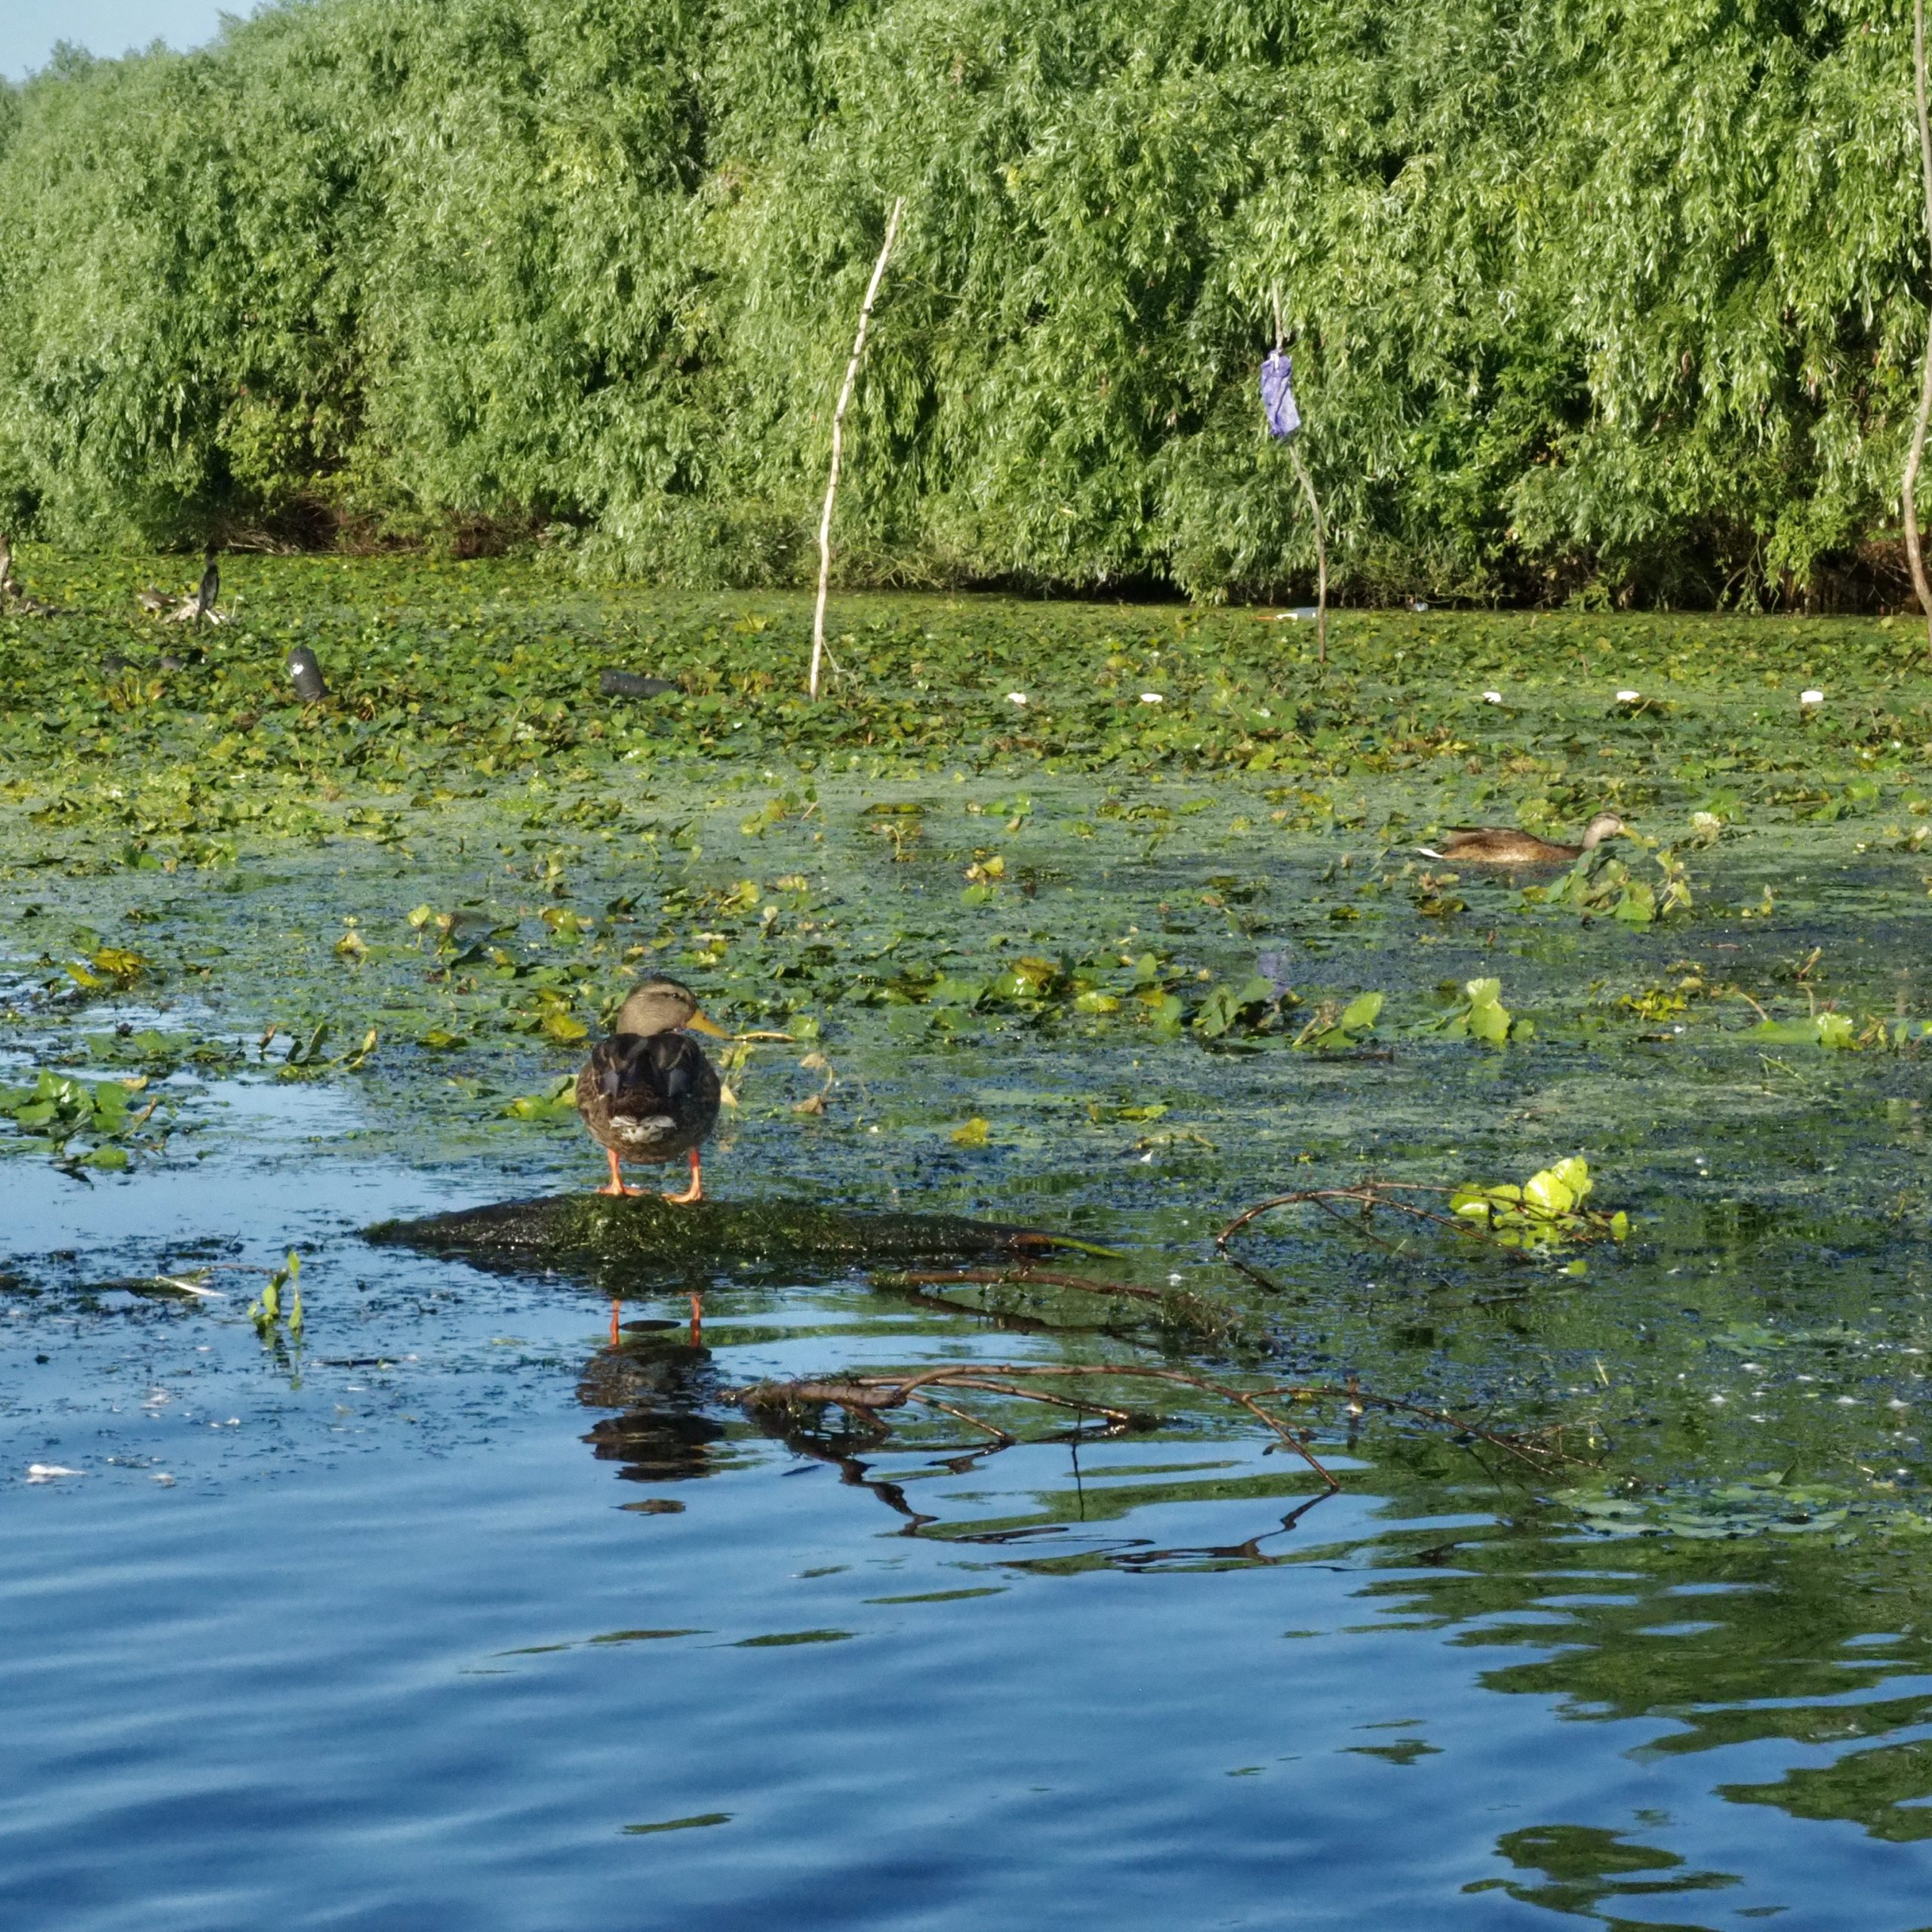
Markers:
point(210, 587)
point(1492, 845)
point(648, 1093)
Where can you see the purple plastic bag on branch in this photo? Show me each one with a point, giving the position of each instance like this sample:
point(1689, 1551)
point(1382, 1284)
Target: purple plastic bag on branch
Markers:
point(1277, 395)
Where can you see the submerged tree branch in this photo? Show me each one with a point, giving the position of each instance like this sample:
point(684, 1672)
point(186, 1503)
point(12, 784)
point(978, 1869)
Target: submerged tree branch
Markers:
point(1174, 1309)
point(865, 1397)
point(1368, 1196)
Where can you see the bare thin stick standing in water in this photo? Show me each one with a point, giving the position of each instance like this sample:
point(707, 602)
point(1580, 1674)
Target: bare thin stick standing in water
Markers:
point(1314, 510)
point(1918, 449)
point(1320, 561)
point(838, 439)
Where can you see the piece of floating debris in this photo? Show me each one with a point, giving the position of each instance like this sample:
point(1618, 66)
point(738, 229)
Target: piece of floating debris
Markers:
point(1810, 697)
point(633, 684)
point(50, 1472)
point(182, 1284)
point(306, 674)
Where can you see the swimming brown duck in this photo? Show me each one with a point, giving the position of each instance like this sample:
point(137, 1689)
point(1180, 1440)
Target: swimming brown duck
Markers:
point(648, 1093)
point(1492, 845)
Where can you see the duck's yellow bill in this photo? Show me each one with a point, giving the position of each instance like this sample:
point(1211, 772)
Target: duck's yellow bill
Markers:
point(699, 1024)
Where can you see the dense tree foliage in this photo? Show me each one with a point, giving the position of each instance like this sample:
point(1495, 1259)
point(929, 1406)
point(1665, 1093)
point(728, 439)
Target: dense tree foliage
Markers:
point(1589, 300)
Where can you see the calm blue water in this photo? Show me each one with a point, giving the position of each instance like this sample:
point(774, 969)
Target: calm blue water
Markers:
point(366, 1636)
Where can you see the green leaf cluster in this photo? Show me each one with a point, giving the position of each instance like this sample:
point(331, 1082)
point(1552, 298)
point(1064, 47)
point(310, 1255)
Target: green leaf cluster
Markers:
point(85, 1123)
point(1601, 884)
point(1546, 1211)
point(1588, 301)
point(267, 1311)
point(1478, 1013)
point(1337, 1028)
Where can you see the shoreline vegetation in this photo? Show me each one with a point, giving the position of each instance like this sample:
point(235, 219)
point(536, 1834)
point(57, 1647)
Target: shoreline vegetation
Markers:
point(1588, 307)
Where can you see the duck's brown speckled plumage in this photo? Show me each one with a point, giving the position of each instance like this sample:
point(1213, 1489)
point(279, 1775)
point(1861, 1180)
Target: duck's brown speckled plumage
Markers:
point(648, 1097)
point(648, 1093)
point(1494, 845)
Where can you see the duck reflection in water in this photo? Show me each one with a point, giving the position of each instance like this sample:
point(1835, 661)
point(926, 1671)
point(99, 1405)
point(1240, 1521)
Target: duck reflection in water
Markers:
point(664, 1383)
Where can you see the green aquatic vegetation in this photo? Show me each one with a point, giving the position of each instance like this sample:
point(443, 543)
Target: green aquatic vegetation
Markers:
point(1336, 1026)
point(1545, 1212)
point(1150, 903)
point(1601, 884)
point(1477, 1013)
point(1840, 1032)
point(84, 1123)
point(266, 1310)
point(556, 1101)
point(1252, 1007)
point(1779, 1503)
point(158, 1053)
point(306, 1060)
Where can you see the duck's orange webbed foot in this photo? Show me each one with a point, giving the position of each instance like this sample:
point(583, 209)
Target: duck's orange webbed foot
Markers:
point(615, 1183)
point(695, 1191)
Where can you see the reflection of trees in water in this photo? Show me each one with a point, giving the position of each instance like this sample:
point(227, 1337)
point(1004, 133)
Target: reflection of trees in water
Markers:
point(1582, 1868)
point(1737, 1643)
point(1759, 1640)
point(665, 1388)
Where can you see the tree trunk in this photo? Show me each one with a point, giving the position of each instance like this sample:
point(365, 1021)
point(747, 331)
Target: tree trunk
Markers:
point(838, 441)
point(1320, 559)
point(1916, 454)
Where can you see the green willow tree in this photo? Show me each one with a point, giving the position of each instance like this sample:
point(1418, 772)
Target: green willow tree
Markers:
point(1589, 300)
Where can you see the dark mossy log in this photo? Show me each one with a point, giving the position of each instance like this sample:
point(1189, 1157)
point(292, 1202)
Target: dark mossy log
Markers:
point(633, 684)
point(601, 1237)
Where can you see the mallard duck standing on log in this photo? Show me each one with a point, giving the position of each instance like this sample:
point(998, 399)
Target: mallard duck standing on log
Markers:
point(648, 1093)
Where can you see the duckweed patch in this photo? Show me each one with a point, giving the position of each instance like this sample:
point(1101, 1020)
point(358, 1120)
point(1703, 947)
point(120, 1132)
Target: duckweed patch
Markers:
point(1088, 964)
